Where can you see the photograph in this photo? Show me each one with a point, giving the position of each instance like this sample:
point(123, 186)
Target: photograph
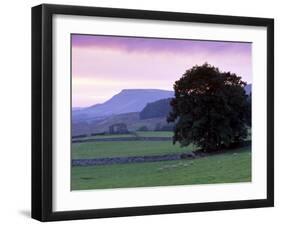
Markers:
point(153, 111)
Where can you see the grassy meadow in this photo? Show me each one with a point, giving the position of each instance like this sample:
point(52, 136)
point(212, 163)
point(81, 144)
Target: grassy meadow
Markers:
point(227, 167)
point(105, 149)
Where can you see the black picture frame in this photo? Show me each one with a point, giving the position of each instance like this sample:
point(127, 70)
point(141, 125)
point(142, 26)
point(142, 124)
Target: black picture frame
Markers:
point(42, 106)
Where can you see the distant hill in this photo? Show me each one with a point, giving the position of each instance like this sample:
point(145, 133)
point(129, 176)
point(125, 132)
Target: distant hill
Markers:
point(159, 108)
point(128, 100)
point(248, 88)
point(132, 121)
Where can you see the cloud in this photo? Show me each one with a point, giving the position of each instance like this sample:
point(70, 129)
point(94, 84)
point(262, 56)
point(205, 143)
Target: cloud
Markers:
point(133, 44)
point(102, 66)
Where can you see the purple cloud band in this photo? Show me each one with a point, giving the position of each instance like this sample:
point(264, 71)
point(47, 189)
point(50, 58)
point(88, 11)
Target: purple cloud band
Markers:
point(131, 44)
point(104, 65)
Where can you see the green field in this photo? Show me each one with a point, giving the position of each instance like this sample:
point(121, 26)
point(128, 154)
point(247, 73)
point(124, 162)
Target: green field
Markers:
point(124, 148)
point(228, 167)
point(231, 167)
point(155, 133)
point(104, 136)
point(135, 134)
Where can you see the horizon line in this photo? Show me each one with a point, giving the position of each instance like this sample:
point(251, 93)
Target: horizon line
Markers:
point(72, 107)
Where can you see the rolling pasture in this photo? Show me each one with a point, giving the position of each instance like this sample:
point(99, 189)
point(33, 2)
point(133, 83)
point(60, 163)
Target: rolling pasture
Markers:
point(227, 167)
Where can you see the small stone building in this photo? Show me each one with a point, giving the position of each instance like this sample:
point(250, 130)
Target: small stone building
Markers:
point(118, 128)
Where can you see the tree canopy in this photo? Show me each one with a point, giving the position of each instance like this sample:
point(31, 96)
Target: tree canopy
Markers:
point(210, 108)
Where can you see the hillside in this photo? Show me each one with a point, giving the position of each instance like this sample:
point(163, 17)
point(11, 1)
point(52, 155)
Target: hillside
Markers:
point(132, 121)
point(159, 108)
point(128, 100)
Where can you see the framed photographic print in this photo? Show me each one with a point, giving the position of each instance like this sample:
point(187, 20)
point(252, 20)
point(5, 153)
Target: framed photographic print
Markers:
point(145, 112)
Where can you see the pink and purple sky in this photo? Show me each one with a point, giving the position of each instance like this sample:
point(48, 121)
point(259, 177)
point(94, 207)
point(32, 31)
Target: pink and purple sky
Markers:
point(102, 66)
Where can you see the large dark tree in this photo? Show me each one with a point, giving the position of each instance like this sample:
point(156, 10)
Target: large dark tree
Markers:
point(210, 108)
